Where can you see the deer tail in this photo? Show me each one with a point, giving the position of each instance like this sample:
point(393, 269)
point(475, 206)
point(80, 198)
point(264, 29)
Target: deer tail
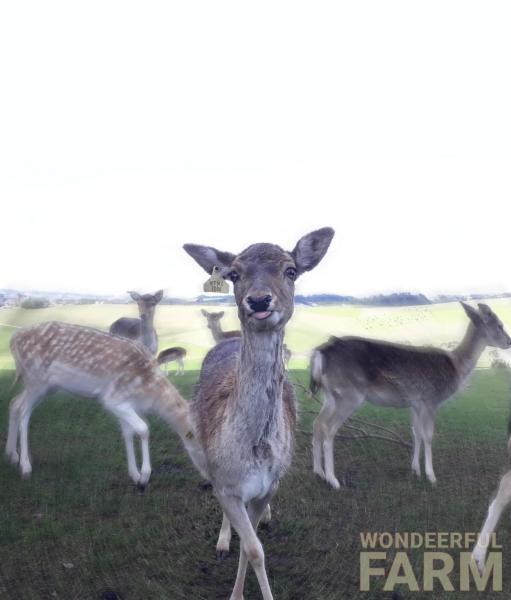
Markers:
point(316, 369)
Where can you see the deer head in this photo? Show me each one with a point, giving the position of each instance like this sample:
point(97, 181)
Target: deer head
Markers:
point(489, 325)
point(212, 317)
point(264, 275)
point(147, 302)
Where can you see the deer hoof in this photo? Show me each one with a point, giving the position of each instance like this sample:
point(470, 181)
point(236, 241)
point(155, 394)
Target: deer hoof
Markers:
point(221, 555)
point(12, 457)
point(333, 481)
point(26, 473)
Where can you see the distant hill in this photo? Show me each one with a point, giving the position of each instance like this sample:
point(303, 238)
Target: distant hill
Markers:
point(10, 297)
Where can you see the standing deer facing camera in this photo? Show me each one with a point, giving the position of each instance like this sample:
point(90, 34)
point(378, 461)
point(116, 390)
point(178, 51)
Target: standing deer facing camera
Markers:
point(244, 405)
point(352, 370)
point(140, 330)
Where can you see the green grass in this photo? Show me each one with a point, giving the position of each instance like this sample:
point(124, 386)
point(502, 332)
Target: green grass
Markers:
point(437, 324)
point(79, 527)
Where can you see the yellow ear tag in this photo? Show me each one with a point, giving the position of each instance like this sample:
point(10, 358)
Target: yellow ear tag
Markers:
point(216, 283)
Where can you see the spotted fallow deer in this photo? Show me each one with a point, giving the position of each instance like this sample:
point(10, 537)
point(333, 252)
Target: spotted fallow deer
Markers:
point(120, 373)
point(244, 405)
point(352, 370)
point(140, 330)
point(175, 354)
point(497, 506)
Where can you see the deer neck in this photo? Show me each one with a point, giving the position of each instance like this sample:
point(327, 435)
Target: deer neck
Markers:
point(257, 396)
point(147, 331)
point(216, 330)
point(469, 350)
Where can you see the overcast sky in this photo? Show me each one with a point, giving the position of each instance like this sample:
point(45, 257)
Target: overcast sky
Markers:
point(128, 129)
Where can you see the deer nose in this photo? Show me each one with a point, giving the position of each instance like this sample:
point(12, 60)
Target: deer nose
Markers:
point(259, 303)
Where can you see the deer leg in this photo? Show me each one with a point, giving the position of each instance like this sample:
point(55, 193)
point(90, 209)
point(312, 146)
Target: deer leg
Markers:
point(266, 516)
point(318, 432)
point(500, 502)
point(11, 447)
point(224, 539)
point(344, 410)
point(251, 550)
point(132, 422)
point(26, 406)
point(127, 434)
point(417, 443)
point(428, 429)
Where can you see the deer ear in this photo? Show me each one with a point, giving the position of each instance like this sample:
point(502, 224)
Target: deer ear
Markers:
point(311, 248)
point(472, 313)
point(209, 257)
point(221, 314)
point(158, 296)
point(485, 310)
point(135, 295)
point(204, 312)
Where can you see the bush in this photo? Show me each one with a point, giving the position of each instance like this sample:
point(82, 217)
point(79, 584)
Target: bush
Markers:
point(35, 303)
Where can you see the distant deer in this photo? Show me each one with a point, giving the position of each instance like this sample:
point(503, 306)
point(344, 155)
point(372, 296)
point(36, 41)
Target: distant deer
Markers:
point(213, 320)
point(244, 405)
point(497, 507)
point(176, 354)
point(351, 370)
point(120, 373)
point(140, 330)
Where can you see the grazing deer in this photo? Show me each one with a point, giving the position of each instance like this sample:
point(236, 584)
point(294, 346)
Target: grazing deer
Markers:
point(351, 370)
point(140, 330)
point(244, 405)
point(497, 507)
point(120, 373)
point(173, 354)
point(213, 320)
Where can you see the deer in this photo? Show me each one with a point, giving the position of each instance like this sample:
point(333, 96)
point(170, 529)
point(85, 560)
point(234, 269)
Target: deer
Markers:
point(141, 330)
point(176, 353)
point(244, 405)
point(213, 319)
point(352, 370)
point(120, 373)
point(497, 506)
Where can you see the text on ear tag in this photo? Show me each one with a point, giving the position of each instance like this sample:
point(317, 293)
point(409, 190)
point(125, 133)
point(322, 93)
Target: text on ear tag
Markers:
point(216, 283)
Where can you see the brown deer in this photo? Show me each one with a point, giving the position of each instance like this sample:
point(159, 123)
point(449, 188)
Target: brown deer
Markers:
point(213, 320)
point(244, 405)
point(177, 354)
point(120, 373)
point(497, 507)
point(352, 370)
point(141, 330)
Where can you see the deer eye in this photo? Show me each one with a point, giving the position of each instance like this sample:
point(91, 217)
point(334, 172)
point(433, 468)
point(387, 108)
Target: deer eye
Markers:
point(291, 273)
point(233, 276)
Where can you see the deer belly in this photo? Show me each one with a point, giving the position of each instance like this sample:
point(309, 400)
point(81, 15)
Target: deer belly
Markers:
point(388, 396)
point(258, 484)
point(75, 381)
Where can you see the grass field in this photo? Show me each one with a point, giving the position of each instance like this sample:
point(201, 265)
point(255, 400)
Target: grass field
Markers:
point(78, 528)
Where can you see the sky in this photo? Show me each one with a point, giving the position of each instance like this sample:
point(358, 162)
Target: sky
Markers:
point(129, 129)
